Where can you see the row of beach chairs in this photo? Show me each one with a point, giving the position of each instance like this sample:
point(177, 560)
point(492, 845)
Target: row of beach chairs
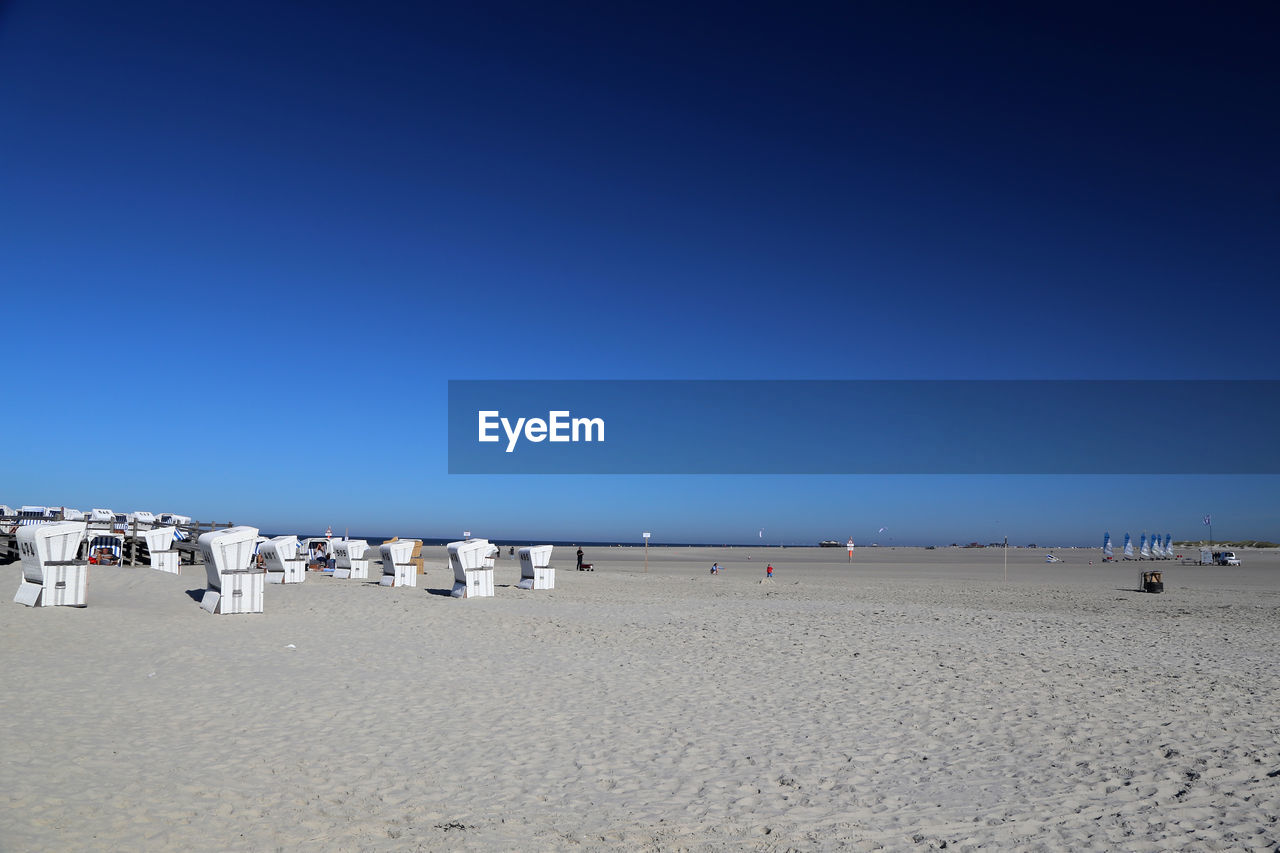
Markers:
point(51, 572)
point(238, 563)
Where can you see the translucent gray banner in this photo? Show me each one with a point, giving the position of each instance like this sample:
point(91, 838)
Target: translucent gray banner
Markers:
point(864, 427)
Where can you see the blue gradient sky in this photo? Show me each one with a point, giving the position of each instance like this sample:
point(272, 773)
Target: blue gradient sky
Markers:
point(244, 246)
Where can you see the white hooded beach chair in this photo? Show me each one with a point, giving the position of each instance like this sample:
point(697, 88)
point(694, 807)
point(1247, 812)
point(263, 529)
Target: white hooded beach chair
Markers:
point(143, 520)
point(235, 581)
point(164, 557)
point(30, 516)
point(472, 578)
point(398, 568)
point(100, 519)
point(535, 568)
point(51, 574)
point(282, 561)
point(350, 558)
point(177, 522)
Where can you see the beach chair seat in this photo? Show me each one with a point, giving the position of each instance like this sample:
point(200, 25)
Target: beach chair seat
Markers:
point(163, 557)
point(351, 561)
point(51, 574)
point(472, 578)
point(535, 568)
point(398, 568)
point(282, 561)
point(357, 569)
point(169, 561)
point(235, 583)
point(241, 592)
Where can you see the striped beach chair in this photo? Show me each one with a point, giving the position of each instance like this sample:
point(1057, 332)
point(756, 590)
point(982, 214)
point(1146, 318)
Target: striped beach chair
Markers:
point(106, 549)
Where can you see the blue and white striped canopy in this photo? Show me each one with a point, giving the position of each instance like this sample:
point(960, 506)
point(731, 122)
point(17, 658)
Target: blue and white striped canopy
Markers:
point(110, 543)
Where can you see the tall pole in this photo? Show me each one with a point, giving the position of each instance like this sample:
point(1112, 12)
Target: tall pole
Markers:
point(1006, 559)
point(646, 552)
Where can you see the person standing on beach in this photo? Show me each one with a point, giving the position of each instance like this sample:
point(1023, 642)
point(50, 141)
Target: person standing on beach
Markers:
point(768, 571)
point(579, 559)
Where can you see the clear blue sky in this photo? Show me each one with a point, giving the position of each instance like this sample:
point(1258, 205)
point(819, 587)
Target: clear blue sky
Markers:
point(244, 246)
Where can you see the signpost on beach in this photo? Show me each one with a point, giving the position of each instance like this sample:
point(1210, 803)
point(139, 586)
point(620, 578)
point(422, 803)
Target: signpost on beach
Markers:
point(1006, 558)
point(646, 550)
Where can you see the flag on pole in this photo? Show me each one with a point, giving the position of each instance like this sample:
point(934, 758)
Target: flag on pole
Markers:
point(1208, 519)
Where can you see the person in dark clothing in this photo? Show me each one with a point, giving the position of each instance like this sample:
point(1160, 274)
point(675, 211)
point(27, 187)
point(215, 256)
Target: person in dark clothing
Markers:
point(579, 559)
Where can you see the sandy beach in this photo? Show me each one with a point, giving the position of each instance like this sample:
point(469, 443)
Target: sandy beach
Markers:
point(909, 701)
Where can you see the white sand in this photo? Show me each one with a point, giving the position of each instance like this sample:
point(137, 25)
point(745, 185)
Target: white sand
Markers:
point(909, 700)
